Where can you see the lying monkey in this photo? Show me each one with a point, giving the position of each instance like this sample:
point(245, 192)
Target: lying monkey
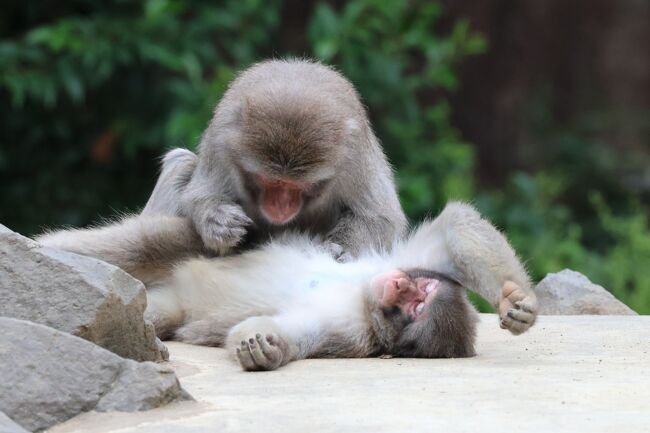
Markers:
point(291, 300)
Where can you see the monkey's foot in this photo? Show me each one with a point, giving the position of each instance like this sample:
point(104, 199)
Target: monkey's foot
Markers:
point(517, 309)
point(223, 227)
point(260, 353)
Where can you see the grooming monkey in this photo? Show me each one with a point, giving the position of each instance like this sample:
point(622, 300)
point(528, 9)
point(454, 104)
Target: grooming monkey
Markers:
point(290, 300)
point(289, 147)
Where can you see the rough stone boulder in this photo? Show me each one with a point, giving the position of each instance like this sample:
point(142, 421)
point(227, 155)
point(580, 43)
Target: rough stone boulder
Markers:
point(570, 292)
point(8, 426)
point(49, 376)
point(76, 294)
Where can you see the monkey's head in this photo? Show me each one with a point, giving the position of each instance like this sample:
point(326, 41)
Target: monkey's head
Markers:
point(291, 147)
point(421, 314)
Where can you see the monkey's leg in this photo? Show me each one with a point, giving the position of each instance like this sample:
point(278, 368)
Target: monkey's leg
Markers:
point(211, 331)
point(146, 247)
point(465, 246)
point(164, 311)
point(177, 168)
point(490, 266)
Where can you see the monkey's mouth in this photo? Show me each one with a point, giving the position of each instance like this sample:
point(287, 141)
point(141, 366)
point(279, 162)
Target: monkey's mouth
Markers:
point(429, 291)
point(281, 201)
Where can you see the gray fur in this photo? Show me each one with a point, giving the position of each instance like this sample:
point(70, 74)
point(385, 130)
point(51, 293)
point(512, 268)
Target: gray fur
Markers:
point(146, 247)
point(177, 168)
point(297, 119)
point(448, 332)
point(245, 302)
point(482, 259)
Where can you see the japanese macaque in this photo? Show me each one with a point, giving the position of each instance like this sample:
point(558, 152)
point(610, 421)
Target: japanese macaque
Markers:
point(289, 147)
point(289, 299)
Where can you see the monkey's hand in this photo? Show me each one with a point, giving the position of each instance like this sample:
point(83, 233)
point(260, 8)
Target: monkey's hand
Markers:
point(517, 308)
point(337, 251)
point(222, 227)
point(262, 352)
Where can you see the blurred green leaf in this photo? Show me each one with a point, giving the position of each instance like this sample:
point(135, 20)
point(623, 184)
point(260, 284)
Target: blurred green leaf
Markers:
point(95, 92)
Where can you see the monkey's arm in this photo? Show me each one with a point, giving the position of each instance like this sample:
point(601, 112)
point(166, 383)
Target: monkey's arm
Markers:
point(467, 247)
point(357, 234)
point(269, 342)
point(219, 221)
point(144, 246)
point(373, 217)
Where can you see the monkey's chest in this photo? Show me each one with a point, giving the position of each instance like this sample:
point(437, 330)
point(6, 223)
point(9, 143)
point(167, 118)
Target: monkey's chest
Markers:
point(326, 280)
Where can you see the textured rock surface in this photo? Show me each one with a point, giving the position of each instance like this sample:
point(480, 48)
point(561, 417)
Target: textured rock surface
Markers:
point(76, 294)
point(6, 424)
point(49, 376)
point(570, 292)
point(568, 374)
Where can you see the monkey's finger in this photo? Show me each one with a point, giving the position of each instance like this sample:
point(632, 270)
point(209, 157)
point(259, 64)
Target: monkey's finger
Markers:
point(528, 306)
point(345, 258)
point(245, 358)
point(514, 326)
point(334, 249)
point(226, 231)
point(521, 316)
point(236, 222)
point(221, 240)
point(232, 213)
point(233, 234)
point(242, 219)
point(272, 353)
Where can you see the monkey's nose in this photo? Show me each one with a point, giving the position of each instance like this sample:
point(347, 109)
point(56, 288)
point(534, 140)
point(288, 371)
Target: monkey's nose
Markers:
point(402, 284)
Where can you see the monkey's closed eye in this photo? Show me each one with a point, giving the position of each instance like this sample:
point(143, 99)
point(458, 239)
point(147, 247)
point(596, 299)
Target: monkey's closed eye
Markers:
point(397, 317)
point(391, 312)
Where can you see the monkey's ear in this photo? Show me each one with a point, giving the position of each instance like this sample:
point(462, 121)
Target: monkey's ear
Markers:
point(244, 110)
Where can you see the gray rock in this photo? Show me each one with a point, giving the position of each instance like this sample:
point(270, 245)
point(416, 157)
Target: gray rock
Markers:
point(6, 424)
point(76, 294)
point(570, 292)
point(49, 376)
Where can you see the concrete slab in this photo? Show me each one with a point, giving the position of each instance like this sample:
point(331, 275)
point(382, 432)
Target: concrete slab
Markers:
point(568, 374)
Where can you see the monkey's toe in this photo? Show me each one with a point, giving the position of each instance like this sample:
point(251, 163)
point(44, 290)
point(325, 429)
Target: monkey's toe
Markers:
point(513, 325)
point(245, 357)
point(527, 305)
point(523, 316)
point(259, 353)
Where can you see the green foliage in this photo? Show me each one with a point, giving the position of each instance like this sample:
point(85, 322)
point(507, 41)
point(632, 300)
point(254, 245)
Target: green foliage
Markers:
point(625, 267)
point(93, 97)
point(93, 92)
point(391, 54)
point(613, 250)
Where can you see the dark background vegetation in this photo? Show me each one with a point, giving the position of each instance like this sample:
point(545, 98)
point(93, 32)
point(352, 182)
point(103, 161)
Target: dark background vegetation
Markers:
point(536, 111)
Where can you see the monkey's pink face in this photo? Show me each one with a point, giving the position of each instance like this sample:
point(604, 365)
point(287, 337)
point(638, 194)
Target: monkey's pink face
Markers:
point(280, 199)
point(397, 289)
